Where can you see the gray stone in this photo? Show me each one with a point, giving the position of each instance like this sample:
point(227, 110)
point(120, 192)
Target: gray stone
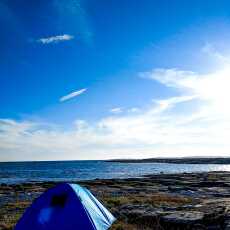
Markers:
point(139, 214)
point(189, 217)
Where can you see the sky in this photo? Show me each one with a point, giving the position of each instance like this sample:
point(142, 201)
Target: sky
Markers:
point(104, 79)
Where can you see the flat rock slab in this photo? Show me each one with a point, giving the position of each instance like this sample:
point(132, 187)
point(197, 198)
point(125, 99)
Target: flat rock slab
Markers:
point(189, 217)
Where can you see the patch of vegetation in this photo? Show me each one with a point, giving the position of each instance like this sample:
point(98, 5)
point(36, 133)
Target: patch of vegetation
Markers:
point(119, 225)
point(10, 214)
point(154, 200)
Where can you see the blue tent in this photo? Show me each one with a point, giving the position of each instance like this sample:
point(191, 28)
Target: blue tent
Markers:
point(66, 207)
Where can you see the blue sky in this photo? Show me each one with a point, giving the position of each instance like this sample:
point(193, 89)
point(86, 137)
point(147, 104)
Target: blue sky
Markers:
point(109, 79)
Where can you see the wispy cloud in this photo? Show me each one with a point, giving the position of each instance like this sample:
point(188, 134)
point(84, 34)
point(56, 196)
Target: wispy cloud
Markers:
point(72, 95)
point(175, 78)
point(211, 50)
point(56, 39)
point(75, 18)
point(116, 110)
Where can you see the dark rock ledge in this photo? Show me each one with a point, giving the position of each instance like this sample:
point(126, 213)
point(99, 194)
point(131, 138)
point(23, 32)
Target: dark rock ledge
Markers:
point(192, 201)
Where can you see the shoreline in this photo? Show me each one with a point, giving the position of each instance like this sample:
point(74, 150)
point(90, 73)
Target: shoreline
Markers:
point(168, 201)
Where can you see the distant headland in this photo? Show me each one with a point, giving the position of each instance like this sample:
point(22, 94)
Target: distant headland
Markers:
point(179, 160)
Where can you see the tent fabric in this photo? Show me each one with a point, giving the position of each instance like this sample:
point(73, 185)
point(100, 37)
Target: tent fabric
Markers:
point(66, 207)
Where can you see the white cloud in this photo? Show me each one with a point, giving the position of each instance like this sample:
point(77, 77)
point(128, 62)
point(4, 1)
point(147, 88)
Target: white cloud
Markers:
point(161, 129)
point(171, 102)
point(175, 78)
point(210, 50)
point(211, 88)
point(116, 110)
point(72, 95)
point(56, 39)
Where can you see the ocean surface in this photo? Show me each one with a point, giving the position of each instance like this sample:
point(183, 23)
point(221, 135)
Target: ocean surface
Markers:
point(18, 172)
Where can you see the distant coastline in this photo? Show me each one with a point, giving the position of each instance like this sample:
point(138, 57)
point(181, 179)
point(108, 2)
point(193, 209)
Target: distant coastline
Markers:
point(182, 160)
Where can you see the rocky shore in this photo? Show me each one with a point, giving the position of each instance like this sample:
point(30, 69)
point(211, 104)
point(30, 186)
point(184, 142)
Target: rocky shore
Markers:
point(166, 201)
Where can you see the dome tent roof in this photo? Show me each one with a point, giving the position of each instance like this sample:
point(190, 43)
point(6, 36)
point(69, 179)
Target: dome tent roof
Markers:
point(66, 207)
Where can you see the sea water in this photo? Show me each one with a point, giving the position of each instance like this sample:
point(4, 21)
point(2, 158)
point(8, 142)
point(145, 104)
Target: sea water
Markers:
point(18, 172)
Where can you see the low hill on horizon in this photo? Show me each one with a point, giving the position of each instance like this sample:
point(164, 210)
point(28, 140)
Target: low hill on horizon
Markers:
point(178, 160)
